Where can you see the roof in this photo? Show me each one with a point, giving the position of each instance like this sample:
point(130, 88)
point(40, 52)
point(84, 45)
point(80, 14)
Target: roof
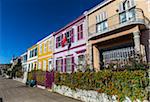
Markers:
point(47, 37)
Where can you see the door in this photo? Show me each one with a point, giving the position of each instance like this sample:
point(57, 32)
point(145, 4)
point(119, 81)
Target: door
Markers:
point(49, 75)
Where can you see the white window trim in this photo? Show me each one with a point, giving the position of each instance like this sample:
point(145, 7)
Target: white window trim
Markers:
point(45, 47)
point(51, 65)
point(70, 71)
point(44, 65)
point(40, 49)
point(39, 65)
point(59, 68)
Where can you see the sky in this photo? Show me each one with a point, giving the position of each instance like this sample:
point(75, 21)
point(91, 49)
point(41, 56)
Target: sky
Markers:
point(25, 22)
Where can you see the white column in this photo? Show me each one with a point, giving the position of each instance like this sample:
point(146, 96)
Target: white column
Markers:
point(137, 42)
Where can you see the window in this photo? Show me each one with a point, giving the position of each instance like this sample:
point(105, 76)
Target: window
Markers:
point(30, 54)
point(59, 65)
point(58, 41)
point(29, 67)
point(50, 45)
point(102, 26)
point(123, 17)
point(44, 65)
point(45, 47)
point(70, 36)
point(69, 64)
point(80, 32)
point(35, 51)
point(125, 5)
point(101, 21)
point(81, 61)
point(127, 16)
point(40, 48)
point(40, 64)
point(50, 66)
point(126, 11)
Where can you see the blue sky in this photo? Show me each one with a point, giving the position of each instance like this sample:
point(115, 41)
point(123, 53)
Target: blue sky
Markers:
point(24, 22)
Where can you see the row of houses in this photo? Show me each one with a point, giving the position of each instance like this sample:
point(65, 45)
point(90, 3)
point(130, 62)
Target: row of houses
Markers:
point(112, 30)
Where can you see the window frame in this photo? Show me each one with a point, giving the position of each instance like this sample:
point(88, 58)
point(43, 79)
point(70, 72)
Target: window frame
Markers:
point(80, 31)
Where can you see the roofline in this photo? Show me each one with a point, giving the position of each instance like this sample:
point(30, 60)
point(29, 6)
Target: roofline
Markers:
point(32, 47)
point(103, 3)
point(47, 37)
point(70, 24)
point(23, 54)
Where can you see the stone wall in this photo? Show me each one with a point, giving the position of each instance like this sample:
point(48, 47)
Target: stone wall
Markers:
point(87, 96)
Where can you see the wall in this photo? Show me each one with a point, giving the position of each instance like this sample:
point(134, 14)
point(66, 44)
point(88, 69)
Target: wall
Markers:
point(88, 95)
point(48, 54)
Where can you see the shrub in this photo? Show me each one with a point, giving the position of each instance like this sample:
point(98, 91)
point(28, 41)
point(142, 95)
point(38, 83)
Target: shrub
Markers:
point(124, 83)
point(38, 75)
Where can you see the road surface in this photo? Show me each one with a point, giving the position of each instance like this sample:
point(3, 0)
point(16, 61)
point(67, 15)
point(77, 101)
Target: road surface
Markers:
point(14, 91)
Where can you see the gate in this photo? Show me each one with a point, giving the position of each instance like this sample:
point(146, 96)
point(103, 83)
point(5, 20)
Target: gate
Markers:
point(49, 79)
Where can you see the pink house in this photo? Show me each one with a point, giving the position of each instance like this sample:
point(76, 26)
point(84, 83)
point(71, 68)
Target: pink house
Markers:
point(70, 46)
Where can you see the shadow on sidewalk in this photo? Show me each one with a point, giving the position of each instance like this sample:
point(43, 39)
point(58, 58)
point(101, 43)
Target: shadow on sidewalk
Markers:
point(1, 99)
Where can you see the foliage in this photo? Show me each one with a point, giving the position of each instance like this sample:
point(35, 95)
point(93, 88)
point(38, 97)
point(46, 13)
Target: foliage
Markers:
point(124, 83)
point(19, 74)
point(37, 75)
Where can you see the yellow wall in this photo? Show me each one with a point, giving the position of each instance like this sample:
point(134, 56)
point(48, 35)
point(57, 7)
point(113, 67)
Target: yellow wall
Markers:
point(45, 56)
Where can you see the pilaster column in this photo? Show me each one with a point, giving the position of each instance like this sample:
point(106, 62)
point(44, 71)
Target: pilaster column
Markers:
point(90, 51)
point(96, 60)
point(137, 42)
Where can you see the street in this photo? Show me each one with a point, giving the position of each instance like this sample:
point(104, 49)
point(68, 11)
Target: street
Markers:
point(13, 91)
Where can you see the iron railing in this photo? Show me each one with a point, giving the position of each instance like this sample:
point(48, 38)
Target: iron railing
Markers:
point(131, 16)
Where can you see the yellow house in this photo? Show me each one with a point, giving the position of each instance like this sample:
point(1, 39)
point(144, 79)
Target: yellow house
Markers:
point(32, 58)
point(45, 53)
point(116, 30)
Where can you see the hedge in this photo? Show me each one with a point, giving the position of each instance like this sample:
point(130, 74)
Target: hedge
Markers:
point(38, 75)
point(124, 83)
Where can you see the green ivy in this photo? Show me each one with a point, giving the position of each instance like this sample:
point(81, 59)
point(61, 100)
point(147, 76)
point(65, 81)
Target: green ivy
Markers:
point(124, 83)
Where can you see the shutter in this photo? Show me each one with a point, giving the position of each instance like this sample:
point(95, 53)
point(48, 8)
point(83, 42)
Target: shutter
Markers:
point(132, 3)
point(72, 64)
point(81, 31)
point(72, 35)
point(65, 66)
point(61, 65)
point(100, 17)
point(96, 18)
point(105, 15)
point(121, 7)
point(61, 39)
point(57, 42)
point(78, 29)
point(56, 65)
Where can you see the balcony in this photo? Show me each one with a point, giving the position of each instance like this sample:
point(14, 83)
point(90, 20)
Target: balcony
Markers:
point(130, 17)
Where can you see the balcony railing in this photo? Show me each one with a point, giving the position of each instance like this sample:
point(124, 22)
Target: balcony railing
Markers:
point(129, 17)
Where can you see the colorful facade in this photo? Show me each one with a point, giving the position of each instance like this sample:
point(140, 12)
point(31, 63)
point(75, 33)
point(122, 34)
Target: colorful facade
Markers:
point(70, 46)
point(32, 58)
point(116, 30)
point(24, 66)
point(101, 36)
point(45, 53)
